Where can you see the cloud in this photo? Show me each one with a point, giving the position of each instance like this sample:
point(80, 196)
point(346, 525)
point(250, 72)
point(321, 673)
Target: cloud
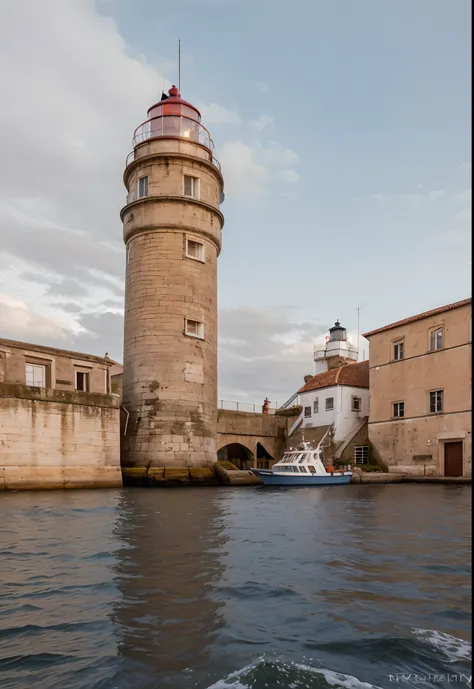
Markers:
point(434, 195)
point(251, 170)
point(288, 176)
point(276, 154)
point(464, 195)
point(421, 196)
point(244, 175)
point(217, 114)
point(66, 132)
point(264, 353)
point(21, 323)
point(458, 235)
point(261, 123)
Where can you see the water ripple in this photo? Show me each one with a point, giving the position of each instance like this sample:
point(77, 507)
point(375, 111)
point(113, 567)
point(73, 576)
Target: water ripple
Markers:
point(147, 589)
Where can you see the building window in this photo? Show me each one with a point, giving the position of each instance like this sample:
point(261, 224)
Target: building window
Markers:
point(436, 339)
point(361, 454)
point(82, 381)
point(194, 328)
point(127, 255)
point(191, 186)
point(356, 403)
point(194, 250)
point(436, 401)
point(398, 410)
point(329, 403)
point(142, 187)
point(316, 405)
point(398, 350)
point(307, 412)
point(35, 375)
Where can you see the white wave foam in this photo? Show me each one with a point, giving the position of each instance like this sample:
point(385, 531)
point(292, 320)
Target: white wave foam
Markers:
point(453, 648)
point(338, 679)
point(241, 678)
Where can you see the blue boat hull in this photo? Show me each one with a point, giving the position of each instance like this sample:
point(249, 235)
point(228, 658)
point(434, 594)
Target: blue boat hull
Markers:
point(271, 479)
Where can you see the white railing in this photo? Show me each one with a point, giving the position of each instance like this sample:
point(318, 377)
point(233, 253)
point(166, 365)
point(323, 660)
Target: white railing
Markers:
point(173, 125)
point(296, 423)
point(323, 352)
point(288, 402)
point(232, 405)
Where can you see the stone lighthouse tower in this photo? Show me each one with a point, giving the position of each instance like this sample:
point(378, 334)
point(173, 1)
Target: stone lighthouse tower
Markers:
point(172, 231)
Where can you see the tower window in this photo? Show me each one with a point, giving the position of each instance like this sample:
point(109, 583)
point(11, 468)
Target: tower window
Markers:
point(142, 187)
point(195, 250)
point(191, 186)
point(316, 405)
point(356, 403)
point(307, 412)
point(194, 328)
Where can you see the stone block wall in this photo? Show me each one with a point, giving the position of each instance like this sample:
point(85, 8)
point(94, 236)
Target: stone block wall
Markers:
point(248, 429)
point(58, 439)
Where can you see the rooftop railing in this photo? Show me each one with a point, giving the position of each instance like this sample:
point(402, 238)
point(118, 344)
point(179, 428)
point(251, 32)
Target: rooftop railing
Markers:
point(245, 406)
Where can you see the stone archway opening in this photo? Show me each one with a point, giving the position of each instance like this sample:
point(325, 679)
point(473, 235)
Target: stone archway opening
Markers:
point(237, 454)
point(263, 458)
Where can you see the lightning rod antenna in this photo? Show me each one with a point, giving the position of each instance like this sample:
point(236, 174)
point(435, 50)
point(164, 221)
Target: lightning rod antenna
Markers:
point(179, 65)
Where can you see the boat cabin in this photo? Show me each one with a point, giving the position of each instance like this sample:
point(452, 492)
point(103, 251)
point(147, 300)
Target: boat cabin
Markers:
point(300, 462)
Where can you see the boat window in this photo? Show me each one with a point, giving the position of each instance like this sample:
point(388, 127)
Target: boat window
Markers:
point(315, 455)
point(312, 469)
point(302, 470)
point(302, 459)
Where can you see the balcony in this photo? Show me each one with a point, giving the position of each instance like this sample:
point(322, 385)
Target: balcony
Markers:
point(173, 125)
point(347, 352)
point(133, 155)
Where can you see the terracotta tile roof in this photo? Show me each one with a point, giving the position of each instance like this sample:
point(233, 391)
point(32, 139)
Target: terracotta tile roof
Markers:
point(420, 316)
point(354, 375)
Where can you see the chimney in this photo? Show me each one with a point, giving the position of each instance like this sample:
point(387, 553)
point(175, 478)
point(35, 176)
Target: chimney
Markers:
point(307, 379)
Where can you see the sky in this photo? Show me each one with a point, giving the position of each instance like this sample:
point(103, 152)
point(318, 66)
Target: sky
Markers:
point(343, 130)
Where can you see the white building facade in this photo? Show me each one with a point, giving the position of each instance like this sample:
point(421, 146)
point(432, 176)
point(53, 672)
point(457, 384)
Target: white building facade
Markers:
point(338, 395)
point(339, 404)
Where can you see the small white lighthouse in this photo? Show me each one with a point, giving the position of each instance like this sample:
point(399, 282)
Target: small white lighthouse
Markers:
point(337, 351)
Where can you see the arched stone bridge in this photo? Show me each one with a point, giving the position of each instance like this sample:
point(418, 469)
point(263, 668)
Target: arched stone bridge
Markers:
point(251, 439)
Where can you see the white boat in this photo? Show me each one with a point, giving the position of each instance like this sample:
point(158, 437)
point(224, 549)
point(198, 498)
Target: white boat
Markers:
point(302, 467)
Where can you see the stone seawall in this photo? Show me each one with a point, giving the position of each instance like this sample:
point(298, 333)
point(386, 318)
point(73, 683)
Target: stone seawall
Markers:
point(52, 439)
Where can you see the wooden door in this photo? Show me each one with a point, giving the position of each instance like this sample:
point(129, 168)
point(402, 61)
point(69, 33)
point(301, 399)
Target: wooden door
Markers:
point(453, 459)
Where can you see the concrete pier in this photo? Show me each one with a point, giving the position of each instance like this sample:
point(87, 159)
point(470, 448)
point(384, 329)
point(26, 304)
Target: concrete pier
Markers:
point(403, 478)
